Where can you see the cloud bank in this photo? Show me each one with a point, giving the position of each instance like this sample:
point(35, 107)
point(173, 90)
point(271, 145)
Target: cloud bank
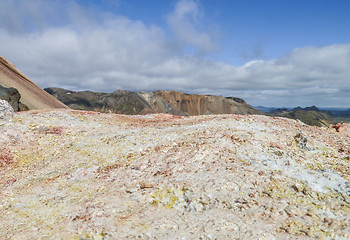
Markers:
point(63, 44)
point(185, 23)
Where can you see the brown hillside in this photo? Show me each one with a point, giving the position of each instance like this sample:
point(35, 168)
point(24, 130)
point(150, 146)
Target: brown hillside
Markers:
point(31, 94)
point(192, 104)
point(172, 102)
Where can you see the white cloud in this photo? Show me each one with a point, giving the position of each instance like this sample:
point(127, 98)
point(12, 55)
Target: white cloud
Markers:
point(185, 21)
point(92, 50)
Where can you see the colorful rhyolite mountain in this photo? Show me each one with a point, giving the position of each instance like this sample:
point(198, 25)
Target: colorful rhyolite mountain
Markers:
point(31, 94)
point(177, 103)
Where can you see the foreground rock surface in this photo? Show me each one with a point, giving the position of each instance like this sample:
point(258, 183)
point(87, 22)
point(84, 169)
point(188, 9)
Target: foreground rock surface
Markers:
point(6, 111)
point(83, 175)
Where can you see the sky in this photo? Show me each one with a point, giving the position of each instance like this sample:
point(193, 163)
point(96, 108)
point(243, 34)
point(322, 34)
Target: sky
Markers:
point(269, 52)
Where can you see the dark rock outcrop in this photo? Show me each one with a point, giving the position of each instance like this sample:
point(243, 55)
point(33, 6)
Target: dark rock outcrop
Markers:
point(13, 97)
point(236, 99)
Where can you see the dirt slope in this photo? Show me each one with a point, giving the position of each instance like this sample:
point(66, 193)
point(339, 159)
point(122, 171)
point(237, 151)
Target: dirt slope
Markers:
point(31, 94)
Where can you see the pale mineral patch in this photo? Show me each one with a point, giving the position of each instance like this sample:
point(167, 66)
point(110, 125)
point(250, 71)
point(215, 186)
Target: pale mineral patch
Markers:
point(84, 175)
point(6, 111)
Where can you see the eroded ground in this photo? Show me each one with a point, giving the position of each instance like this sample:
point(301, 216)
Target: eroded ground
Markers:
point(82, 175)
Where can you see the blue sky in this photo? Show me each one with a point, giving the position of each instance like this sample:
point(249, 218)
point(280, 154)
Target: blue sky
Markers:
point(268, 52)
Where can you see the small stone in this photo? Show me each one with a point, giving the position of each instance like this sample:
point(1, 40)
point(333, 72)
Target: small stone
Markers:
point(328, 220)
point(144, 184)
point(301, 141)
point(340, 127)
point(297, 187)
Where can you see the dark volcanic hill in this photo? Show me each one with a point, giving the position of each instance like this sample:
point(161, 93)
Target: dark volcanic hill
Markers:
point(309, 115)
point(123, 102)
point(177, 103)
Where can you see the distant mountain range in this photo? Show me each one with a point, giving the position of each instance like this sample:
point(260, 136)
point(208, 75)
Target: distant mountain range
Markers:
point(127, 102)
point(24, 94)
point(267, 109)
point(177, 103)
point(332, 110)
point(310, 115)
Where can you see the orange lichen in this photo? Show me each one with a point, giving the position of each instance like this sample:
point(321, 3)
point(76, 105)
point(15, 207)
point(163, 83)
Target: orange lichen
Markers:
point(6, 158)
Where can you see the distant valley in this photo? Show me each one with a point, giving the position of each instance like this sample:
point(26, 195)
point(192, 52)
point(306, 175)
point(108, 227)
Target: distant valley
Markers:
point(310, 115)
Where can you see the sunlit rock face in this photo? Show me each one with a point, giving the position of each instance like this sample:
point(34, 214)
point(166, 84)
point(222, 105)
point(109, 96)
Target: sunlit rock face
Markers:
point(31, 95)
point(192, 104)
point(85, 175)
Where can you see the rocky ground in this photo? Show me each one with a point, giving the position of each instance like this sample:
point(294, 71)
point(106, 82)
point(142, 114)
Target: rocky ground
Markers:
point(83, 175)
